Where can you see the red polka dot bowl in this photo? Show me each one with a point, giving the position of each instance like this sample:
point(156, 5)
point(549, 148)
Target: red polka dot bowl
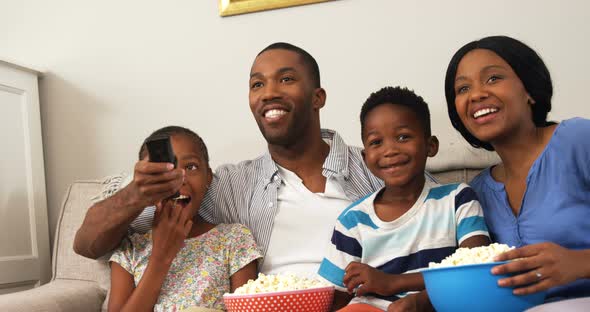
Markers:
point(309, 300)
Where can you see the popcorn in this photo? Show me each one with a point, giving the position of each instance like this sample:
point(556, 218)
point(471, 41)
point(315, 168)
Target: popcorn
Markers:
point(476, 255)
point(272, 283)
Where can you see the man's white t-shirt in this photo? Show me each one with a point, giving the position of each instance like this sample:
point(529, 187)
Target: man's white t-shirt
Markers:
point(303, 225)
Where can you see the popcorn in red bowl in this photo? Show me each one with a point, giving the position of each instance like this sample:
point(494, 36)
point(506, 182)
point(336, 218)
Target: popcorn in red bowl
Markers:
point(310, 300)
point(287, 292)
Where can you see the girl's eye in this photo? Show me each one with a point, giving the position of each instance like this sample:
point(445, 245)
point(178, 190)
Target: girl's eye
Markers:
point(256, 85)
point(191, 167)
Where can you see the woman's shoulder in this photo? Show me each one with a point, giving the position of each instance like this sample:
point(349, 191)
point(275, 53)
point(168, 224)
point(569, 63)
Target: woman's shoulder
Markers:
point(483, 181)
point(481, 177)
point(570, 136)
point(576, 122)
point(572, 128)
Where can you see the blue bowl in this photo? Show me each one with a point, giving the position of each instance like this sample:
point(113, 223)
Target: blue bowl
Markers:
point(472, 287)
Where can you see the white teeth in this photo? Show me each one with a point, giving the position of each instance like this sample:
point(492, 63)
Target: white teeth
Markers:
point(182, 197)
point(484, 111)
point(274, 113)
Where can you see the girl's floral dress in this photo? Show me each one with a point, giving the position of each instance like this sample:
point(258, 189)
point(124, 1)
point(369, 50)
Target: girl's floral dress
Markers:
point(200, 273)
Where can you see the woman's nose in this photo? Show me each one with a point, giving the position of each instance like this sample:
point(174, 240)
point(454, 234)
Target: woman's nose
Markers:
point(478, 93)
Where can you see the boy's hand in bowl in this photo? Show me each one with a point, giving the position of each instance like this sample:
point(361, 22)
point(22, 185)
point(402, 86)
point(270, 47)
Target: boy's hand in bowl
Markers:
point(366, 279)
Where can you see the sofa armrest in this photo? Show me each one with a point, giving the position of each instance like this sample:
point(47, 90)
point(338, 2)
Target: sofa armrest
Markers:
point(56, 296)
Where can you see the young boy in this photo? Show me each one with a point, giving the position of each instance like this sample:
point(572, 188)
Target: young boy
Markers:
point(381, 241)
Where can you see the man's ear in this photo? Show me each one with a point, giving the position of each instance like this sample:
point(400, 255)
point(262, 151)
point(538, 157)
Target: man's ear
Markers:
point(319, 98)
point(432, 146)
point(209, 176)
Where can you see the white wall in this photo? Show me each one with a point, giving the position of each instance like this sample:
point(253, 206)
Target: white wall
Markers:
point(116, 70)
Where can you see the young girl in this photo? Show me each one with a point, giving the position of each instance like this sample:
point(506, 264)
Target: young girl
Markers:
point(498, 94)
point(183, 261)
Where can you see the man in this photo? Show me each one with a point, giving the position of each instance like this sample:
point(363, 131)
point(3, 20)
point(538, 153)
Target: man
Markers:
point(289, 197)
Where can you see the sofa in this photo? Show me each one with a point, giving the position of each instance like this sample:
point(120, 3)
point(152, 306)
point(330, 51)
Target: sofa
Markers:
point(81, 284)
point(77, 283)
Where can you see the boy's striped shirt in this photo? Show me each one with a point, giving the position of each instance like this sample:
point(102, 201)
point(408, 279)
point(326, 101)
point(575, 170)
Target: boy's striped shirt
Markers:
point(442, 217)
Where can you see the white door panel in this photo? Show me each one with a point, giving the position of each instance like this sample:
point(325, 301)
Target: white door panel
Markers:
point(24, 236)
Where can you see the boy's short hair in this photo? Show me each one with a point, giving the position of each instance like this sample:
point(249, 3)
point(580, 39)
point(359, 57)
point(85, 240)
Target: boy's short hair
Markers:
point(398, 96)
point(307, 59)
point(176, 130)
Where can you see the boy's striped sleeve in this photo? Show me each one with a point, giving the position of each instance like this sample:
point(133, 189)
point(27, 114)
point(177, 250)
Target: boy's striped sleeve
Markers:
point(468, 214)
point(343, 249)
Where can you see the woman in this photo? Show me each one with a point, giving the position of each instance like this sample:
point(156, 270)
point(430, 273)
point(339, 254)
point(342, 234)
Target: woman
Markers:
point(498, 93)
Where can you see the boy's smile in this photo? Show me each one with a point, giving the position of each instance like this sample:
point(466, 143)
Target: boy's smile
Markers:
point(395, 145)
point(392, 166)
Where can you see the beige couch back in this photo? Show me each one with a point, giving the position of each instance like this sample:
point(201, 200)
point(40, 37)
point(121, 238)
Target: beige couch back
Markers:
point(454, 176)
point(66, 263)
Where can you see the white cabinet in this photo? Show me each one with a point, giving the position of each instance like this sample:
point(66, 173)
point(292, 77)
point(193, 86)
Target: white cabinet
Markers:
point(24, 234)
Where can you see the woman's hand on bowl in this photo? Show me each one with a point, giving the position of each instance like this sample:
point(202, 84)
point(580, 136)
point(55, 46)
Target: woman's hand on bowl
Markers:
point(546, 265)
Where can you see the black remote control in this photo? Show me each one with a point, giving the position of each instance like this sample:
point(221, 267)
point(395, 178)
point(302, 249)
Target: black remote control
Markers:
point(160, 150)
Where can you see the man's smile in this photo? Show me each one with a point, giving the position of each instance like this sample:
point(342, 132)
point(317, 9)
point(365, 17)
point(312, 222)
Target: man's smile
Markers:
point(274, 114)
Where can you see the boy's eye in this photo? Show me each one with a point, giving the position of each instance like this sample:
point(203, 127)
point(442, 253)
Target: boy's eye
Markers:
point(374, 142)
point(255, 85)
point(287, 79)
point(403, 137)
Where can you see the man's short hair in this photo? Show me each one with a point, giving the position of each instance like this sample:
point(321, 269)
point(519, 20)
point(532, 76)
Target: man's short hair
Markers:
point(308, 60)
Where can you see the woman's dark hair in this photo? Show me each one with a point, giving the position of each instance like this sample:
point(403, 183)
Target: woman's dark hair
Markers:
point(527, 65)
point(176, 130)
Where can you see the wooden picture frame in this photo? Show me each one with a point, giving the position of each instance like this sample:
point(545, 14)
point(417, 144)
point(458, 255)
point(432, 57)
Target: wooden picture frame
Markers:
point(235, 7)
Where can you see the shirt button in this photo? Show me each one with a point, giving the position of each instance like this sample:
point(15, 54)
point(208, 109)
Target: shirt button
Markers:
point(270, 205)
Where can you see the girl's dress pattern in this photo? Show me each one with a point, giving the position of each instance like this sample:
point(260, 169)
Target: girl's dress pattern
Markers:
point(200, 273)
